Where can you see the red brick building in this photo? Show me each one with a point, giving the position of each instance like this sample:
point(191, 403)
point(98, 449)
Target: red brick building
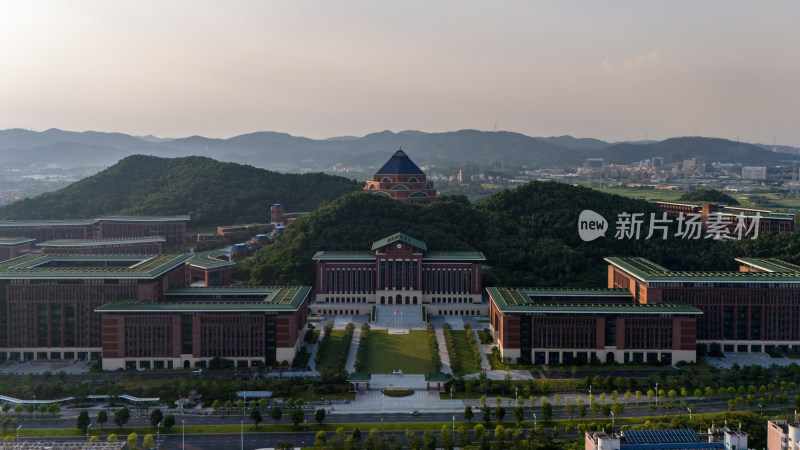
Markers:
point(398, 270)
point(401, 179)
point(752, 310)
point(768, 221)
point(13, 247)
point(172, 229)
point(547, 326)
point(190, 327)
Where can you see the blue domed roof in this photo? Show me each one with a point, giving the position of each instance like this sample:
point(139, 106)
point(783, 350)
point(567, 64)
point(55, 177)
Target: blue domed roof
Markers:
point(399, 164)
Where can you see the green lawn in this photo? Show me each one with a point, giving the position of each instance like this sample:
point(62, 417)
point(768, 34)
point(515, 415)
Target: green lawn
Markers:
point(407, 352)
point(329, 361)
point(464, 352)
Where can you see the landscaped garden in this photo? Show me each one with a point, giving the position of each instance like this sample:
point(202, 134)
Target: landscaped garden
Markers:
point(410, 352)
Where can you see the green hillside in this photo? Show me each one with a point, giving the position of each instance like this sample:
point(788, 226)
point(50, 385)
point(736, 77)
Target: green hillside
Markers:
point(211, 192)
point(529, 236)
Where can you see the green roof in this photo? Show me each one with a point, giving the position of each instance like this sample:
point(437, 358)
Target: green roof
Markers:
point(450, 256)
point(44, 223)
point(14, 240)
point(210, 260)
point(276, 299)
point(578, 292)
point(770, 264)
point(263, 291)
point(399, 237)
point(343, 256)
point(100, 242)
point(141, 267)
point(648, 271)
point(438, 377)
point(358, 376)
point(520, 300)
point(145, 218)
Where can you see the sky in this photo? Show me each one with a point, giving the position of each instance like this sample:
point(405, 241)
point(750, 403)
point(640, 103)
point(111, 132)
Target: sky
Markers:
point(612, 70)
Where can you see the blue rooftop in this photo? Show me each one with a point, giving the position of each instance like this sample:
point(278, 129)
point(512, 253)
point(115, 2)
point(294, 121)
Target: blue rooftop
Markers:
point(399, 164)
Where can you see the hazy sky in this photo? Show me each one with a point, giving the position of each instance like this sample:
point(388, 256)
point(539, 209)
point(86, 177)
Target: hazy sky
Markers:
point(608, 69)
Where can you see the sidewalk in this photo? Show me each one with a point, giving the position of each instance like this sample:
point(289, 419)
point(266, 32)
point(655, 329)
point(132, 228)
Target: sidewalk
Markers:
point(351, 357)
point(443, 353)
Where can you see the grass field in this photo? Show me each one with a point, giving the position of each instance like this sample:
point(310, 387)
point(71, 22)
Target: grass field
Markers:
point(464, 352)
point(407, 352)
point(328, 362)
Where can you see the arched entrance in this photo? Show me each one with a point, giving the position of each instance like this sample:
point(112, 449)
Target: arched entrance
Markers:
point(186, 365)
point(383, 300)
point(609, 357)
point(398, 300)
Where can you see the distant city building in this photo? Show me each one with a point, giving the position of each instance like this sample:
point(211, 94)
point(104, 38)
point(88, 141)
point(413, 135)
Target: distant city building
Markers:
point(403, 180)
point(657, 162)
point(782, 435)
point(594, 163)
point(398, 270)
point(686, 439)
point(754, 173)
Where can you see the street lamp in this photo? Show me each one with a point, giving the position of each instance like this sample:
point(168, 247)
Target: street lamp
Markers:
point(451, 398)
point(18, 432)
point(690, 413)
point(613, 416)
point(454, 428)
point(534, 422)
point(242, 422)
point(158, 433)
point(34, 406)
point(656, 394)
point(183, 434)
point(87, 431)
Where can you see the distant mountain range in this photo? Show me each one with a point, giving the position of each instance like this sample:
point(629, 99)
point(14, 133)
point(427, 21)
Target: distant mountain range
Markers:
point(280, 151)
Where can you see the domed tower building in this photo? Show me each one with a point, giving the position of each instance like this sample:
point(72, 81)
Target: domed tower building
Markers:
point(403, 180)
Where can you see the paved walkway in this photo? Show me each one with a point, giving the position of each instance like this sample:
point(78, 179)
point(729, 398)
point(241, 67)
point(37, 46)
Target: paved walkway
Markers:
point(376, 402)
point(351, 357)
point(443, 353)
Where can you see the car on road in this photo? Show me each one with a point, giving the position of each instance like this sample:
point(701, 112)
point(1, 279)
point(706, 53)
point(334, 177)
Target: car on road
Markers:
point(415, 413)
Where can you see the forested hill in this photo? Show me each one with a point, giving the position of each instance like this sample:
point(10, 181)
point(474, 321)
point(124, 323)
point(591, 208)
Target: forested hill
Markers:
point(677, 149)
point(529, 236)
point(211, 192)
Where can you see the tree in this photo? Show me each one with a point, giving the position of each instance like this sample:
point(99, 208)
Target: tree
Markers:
point(255, 416)
point(133, 441)
point(570, 409)
point(547, 411)
point(463, 438)
point(102, 417)
point(148, 441)
point(83, 421)
point(156, 417)
point(319, 416)
point(169, 421)
point(276, 414)
point(42, 408)
point(112, 438)
point(479, 431)
point(6, 407)
point(617, 409)
point(429, 440)
point(582, 410)
point(297, 417)
point(445, 438)
point(54, 409)
point(606, 411)
point(121, 417)
point(500, 412)
point(321, 439)
point(486, 414)
point(519, 414)
point(468, 413)
point(413, 440)
point(18, 409)
point(500, 436)
point(356, 436)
